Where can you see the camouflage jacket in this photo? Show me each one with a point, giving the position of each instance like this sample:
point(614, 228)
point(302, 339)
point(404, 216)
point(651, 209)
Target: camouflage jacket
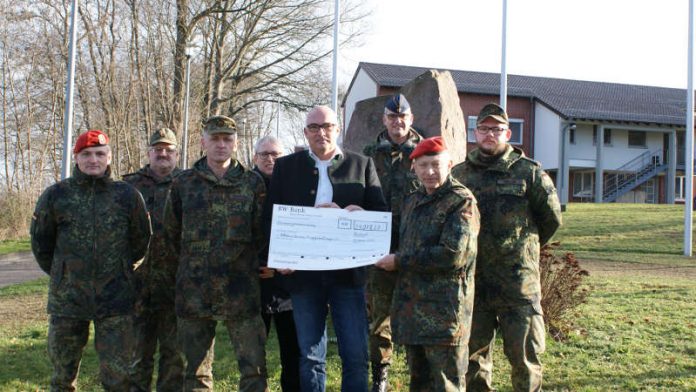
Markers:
point(89, 233)
point(156, 277)
point(394, 171)
point(434, 294)
point(520, 212)
point(214, 226)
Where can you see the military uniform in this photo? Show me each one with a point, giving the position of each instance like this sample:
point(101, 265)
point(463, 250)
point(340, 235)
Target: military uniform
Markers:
point(155, 319)
point(398, 180)
point(88, 233)
point(433, 299)
point(214, 226)
point(520, 212)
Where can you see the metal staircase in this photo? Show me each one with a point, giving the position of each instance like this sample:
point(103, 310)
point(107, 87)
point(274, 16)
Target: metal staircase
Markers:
point(634, 173)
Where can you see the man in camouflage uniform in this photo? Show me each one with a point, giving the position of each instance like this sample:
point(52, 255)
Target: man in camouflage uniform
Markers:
point(390, 152)
point(520, 212)
point(155, 320)
point(212, 219)
point(88, 233)
point(434, 295)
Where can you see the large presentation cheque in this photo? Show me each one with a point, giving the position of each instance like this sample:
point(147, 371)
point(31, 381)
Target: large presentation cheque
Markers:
point(308, 238)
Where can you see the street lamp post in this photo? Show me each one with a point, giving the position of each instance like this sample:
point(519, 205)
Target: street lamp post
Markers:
point(184, 140)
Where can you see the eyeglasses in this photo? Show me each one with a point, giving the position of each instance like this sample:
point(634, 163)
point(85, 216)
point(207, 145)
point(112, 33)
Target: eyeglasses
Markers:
point(272, 154)
point(166, 150)
point(497, 131)
point(314, 128)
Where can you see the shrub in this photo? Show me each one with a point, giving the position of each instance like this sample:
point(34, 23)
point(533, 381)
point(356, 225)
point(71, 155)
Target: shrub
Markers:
point(562, 289)
point(16, 210)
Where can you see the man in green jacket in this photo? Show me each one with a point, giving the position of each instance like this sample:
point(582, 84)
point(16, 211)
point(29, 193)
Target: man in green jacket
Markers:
point(88, 233)
point(390, 152)
point(433, 299)
point(520, 212)
point(212, 219)
point(155, 320)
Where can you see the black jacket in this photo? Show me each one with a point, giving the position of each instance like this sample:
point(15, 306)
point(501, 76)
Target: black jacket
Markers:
point(354, 181)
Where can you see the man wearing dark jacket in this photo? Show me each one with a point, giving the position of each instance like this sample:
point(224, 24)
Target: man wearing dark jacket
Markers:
point(88, 233)
point(276, 305)
point(328, 177)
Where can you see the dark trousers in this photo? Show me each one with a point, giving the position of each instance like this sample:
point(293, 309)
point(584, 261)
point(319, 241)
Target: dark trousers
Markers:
point(67, 337)
point(289, 350)
point(153, 328)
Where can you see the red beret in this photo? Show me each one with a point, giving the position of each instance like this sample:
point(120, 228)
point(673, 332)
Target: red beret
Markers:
point(91, 138)
point(429, 146)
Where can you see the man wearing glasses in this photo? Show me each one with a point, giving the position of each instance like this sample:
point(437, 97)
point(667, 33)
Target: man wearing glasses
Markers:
point(390, 153)
point(329, 177)
point(520, 212)
point(276, 305)
point(155, 320)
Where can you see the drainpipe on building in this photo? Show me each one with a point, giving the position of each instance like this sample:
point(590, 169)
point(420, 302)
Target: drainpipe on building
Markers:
point(563, 177)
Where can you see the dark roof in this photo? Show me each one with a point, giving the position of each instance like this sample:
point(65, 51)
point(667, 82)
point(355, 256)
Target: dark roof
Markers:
point(572, 99)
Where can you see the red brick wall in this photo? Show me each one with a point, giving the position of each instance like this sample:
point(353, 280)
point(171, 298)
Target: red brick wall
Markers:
point(518, 108)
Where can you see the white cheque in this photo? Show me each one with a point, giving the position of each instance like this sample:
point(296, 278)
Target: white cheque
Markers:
point(308, 238)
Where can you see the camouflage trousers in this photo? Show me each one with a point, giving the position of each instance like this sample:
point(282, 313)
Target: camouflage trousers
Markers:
point(523, 334)
point(197, 342)
point(150, 328)
point(437, 368)
point(380, 287)
point(67, 338)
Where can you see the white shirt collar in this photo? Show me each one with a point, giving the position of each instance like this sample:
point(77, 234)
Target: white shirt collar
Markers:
point(337, 151)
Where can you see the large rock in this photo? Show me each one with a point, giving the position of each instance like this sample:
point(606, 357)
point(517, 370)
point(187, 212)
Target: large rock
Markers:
point(435, 104)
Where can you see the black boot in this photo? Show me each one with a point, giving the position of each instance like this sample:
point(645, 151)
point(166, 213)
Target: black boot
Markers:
point(379, 377)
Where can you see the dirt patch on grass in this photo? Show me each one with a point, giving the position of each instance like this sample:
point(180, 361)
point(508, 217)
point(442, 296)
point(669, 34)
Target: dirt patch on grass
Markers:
point(617, 268)
point(19, 310)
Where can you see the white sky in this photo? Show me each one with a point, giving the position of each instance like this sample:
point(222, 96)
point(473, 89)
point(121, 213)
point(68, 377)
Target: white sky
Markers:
point(623, 41)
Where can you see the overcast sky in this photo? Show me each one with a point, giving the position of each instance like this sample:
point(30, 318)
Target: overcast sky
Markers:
point(624, 41)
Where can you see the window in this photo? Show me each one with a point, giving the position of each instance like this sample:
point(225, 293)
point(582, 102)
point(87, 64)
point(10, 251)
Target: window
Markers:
point(470, 129)
point(607, 137)
point(637, 139)
point(571, 136)
point(583, 185)
point(679, 190)
point(516, 128)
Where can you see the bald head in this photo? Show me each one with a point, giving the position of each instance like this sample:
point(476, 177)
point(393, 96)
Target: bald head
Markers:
point(321, 131)
point(321, 115)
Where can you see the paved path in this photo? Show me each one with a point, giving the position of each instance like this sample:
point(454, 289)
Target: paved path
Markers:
point(18, 267)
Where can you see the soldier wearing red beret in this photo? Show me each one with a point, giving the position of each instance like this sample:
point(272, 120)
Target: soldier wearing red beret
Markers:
point(88, 233)
point(434, 295)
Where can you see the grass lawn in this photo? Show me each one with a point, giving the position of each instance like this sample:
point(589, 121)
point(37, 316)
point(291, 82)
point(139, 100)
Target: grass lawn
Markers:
point(637, 332)
point(12, 246)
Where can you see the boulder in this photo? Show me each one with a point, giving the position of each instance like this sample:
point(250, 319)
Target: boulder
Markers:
point(437, 112)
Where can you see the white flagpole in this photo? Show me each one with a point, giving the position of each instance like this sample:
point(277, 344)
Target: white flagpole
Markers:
point(503, 61)
point(334, 82)
point(69, 85)
point(689, 150)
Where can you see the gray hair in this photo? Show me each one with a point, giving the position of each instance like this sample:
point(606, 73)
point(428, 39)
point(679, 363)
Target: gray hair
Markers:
point(267, 139)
